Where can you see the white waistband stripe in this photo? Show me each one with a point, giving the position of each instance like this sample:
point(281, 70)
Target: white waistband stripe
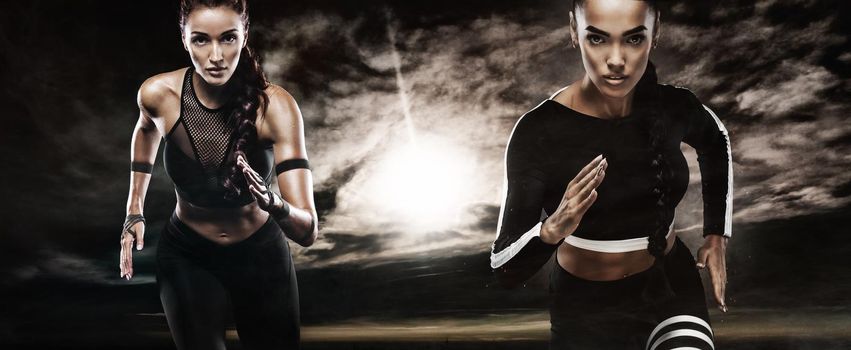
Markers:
point(615, 246)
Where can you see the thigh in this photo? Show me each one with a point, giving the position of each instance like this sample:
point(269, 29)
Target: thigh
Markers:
point(597, 315)
point(264, 293)
point(684, 320)
point(193, 298)
point(599, 330)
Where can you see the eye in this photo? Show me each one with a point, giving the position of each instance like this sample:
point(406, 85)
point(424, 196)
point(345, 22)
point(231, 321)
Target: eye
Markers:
point(635, 39)
point(595, 39)
point(199, 40)
point(229, 38)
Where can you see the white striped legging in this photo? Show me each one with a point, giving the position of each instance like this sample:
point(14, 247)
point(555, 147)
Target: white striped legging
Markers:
point(622, 314)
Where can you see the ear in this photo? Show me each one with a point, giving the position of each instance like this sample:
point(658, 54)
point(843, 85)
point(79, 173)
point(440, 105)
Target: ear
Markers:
point(574, 36)
point(183, 41)
point(245, 39)
point(657, 29)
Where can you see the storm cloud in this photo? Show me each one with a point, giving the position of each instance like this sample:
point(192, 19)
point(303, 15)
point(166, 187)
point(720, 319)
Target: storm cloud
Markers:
point(771, 82)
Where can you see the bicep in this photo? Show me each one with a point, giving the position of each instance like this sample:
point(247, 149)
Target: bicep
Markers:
point(146, 133)
point(286, 128)
point(705, 131)
point(148, 99)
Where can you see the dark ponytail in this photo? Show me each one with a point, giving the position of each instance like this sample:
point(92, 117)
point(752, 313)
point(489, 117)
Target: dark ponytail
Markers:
point(248, 84)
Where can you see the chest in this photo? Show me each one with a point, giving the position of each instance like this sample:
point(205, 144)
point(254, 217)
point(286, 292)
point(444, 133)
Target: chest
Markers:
point(632, 175)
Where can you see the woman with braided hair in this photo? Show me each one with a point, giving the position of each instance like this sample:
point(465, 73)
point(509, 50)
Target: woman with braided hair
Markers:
point(226, 129)
point(595, 173)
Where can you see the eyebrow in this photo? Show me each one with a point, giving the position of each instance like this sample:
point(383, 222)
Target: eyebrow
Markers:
point(223, 33)
point(596, 30)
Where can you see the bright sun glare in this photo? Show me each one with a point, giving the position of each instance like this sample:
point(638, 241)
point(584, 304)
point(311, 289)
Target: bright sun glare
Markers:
point(423, 187)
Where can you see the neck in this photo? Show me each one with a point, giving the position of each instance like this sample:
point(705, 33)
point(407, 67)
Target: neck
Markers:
point(211, 95)
point(605, 107)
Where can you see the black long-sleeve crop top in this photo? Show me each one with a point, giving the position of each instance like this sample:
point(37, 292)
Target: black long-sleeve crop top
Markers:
point(551, 143)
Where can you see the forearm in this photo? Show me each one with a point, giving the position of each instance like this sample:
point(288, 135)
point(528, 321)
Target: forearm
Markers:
point(716, 239)
point(515, 263)
point(709, 137)
point(144, 145)
point(138, 188)
point(297, 223)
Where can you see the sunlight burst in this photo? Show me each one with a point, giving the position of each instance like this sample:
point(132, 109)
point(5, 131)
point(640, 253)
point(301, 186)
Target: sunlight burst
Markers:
point(424, 186)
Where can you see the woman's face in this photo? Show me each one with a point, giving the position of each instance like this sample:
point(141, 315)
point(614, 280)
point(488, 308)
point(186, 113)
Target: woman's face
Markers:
point(214, 38)
point(615, 37)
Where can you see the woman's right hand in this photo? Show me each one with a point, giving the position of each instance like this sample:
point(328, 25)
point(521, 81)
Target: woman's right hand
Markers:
point(581, 192)
point(135, 233)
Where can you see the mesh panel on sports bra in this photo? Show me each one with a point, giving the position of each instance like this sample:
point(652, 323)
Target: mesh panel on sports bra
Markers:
point(208, 129)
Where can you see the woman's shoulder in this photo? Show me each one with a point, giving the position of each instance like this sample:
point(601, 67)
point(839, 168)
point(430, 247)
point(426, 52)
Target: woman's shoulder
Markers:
point(544, 110)
point(679, 96)
point(281, 116)
point(532, 124)
point(281, 105)
point(158, 88)
point(532, 119)
point(278, 94)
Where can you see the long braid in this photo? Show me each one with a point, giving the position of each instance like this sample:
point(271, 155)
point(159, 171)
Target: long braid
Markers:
point(647, 97)
point(250, 96)
point(647, 102)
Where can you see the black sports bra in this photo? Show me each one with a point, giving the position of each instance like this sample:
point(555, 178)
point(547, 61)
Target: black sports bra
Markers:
point(196, 149)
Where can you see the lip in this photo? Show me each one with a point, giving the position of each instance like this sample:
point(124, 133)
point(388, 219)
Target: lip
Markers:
point(615, 79)
point(216, 70)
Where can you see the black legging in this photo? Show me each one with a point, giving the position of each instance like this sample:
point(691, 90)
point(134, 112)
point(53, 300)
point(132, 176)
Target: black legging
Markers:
point(200, 280)
point(617, 315)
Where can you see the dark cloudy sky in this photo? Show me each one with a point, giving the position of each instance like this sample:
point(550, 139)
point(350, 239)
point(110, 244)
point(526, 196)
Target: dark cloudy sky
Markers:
point(776, 73)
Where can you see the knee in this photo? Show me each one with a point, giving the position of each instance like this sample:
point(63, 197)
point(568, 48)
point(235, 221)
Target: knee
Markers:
point(682, 331)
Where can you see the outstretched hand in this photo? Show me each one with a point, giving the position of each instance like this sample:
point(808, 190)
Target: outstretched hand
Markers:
point(581, 192)
point(265, 198)
point(712, 255)
point(130, 235)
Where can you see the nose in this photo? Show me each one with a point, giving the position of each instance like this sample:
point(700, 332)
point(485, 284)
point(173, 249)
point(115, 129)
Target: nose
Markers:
point(616, 60)
point(217, 55)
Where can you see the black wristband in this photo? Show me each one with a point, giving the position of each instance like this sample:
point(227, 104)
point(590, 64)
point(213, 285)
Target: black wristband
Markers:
point(131, 220)
point(283, 212)
point(141, 167)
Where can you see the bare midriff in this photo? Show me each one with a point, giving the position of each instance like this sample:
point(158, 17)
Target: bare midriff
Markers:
point(598, 266)
point(223, 226)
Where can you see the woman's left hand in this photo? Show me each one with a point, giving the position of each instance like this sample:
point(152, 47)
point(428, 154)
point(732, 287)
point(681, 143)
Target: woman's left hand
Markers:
point(712, 254)
point(264, 196)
